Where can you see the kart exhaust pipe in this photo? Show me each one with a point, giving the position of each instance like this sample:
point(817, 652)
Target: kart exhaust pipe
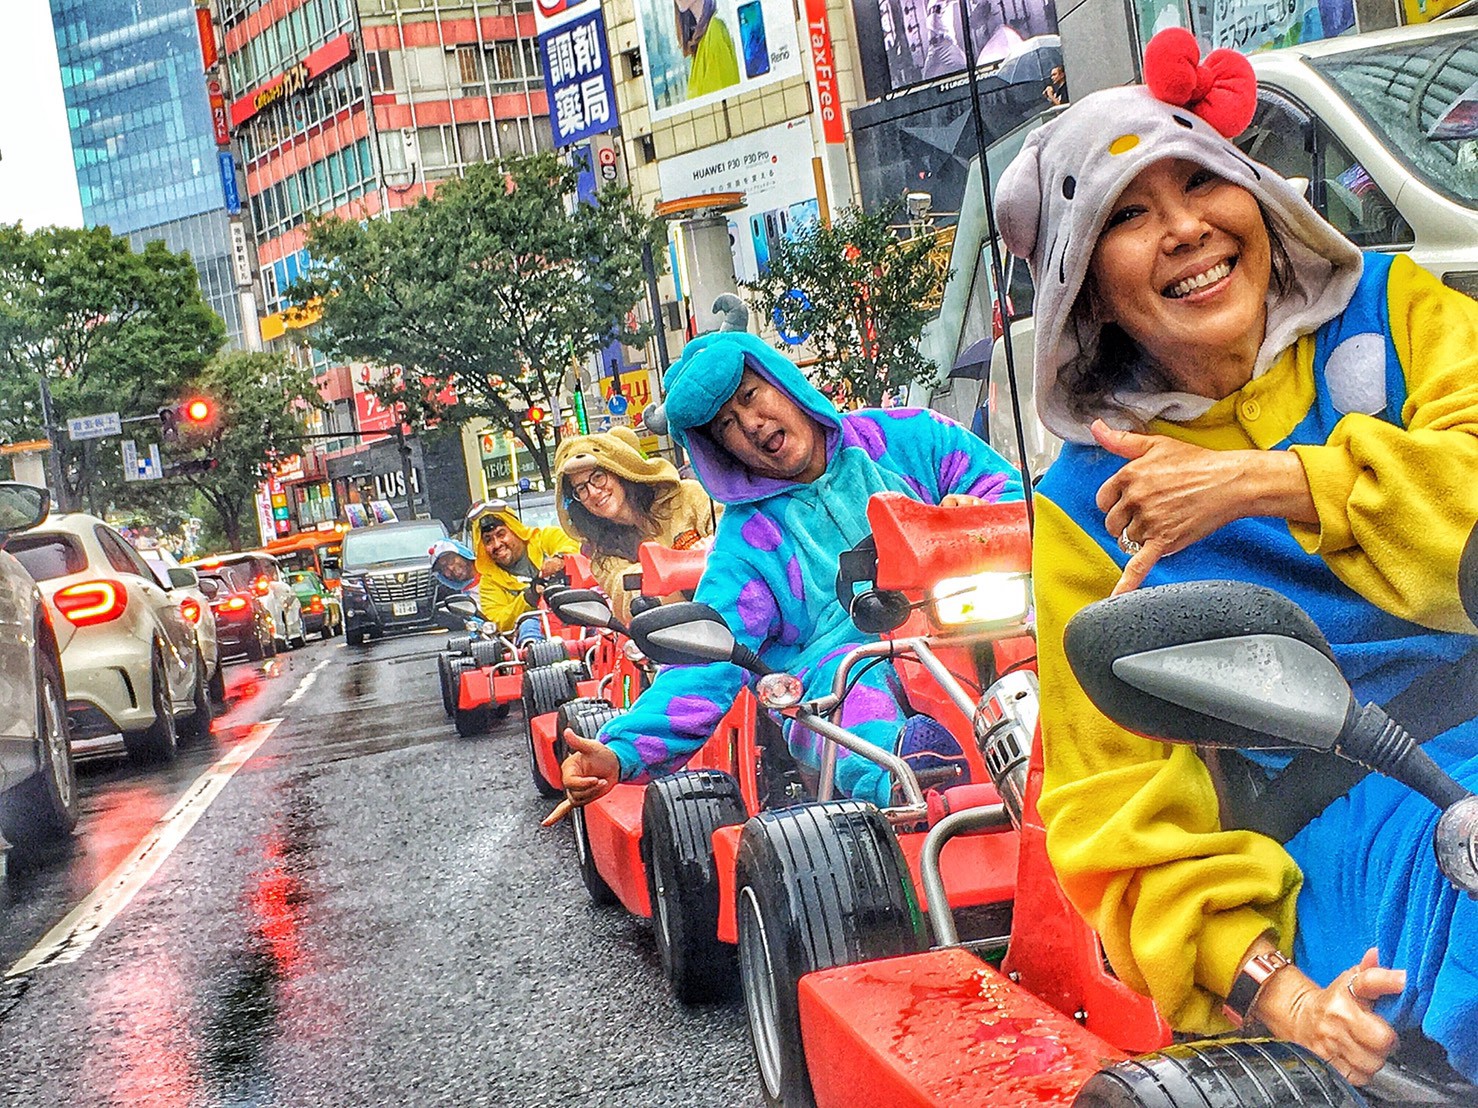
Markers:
point(1005, 723)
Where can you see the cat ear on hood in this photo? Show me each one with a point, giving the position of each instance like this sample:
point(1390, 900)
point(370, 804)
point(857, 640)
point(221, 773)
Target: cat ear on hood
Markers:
point(1019, 199)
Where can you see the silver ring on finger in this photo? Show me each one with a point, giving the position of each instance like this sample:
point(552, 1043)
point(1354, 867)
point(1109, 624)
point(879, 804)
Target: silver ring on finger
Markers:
point(1350, 986)
point(1128, 545)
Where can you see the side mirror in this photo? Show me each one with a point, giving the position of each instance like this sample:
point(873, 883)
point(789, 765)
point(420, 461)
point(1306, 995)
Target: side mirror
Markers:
point(331, 567)
point(21, 507)
point(461, 604)
point(581, 607)
point(182, 577)
point(209, 586)
point(690, 634)
point(1213, 663)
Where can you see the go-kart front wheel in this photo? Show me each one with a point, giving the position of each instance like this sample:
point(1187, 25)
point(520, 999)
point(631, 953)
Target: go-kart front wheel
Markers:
point(680, 813)
point(1245, 1073)
point(817, 885)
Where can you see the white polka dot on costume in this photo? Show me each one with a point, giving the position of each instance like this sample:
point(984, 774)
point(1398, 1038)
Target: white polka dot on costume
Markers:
point(1356, 373)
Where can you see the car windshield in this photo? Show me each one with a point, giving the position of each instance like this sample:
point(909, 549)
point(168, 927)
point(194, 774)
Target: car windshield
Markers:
point(389, 544)
point(304, 582)
point(47, 556)
point(1421, 99)
point(237, 576)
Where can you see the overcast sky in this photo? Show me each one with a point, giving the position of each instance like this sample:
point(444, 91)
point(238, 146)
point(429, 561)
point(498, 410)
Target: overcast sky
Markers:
point(37, 186)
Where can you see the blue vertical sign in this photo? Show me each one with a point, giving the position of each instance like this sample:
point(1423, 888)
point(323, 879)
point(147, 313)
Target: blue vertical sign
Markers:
point(577, 79)
point(228, 182)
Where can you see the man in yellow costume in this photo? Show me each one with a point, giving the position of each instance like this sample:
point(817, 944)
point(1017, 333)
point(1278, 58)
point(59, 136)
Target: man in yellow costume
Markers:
point(512, 558)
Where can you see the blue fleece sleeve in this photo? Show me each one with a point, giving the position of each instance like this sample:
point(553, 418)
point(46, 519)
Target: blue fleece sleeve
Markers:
point(937, 457)
point(678, 713)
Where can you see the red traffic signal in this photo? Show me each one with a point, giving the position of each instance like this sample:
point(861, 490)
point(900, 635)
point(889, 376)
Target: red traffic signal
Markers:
point(198, 410)
point(536, 414)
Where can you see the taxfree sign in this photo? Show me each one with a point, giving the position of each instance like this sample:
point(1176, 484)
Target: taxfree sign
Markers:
point(577, 78)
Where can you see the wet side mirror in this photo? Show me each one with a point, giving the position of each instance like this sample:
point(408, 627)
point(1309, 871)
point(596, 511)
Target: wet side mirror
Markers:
point(1213, 663)
point(21, 507)
point(460, 604)
point(684, 634)
point(581, 607)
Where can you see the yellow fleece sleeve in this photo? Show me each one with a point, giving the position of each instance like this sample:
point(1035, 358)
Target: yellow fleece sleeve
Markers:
point(500, 606)
point(1133, 829)
point(546, 542)
point(1396, 505)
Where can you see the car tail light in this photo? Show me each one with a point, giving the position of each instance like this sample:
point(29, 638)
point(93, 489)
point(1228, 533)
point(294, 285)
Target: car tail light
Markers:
point(262, 585)
point(316, 604)
point(91, 602)
point(233, 604)
point(190, 609)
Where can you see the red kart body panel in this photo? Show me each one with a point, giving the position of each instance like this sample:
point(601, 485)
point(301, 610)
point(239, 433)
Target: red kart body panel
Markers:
point(474, 689)
point(725, 855)
point(613, 829)
point(920, 544)
point(665, 571)
point(936, 1029)
point(543, 730)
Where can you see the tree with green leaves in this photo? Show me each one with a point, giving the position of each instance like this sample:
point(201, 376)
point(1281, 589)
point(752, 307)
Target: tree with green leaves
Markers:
point(483, 295)
point(260, 402)
point(860, 296)
point(106, 328)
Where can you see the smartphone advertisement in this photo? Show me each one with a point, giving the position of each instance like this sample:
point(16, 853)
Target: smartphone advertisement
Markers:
point(773, 169)
point(699, 52)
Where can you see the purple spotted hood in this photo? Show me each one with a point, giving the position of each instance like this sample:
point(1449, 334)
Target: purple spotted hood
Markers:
point(700, 382)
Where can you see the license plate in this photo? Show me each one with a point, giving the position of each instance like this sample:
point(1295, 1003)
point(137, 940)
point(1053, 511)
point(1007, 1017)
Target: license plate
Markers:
point(403, 608)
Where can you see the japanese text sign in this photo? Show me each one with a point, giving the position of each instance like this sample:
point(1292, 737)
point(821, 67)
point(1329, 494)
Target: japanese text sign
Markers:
point(577, 79)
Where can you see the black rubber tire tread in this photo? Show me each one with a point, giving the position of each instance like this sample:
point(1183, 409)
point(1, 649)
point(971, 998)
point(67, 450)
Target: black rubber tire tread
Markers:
point(1248, 1073)
point(159, 742)
point(832, 889)
point(600, 893)
point(472, 721)
point(444, 679)
point(486, 652)
point(459, 643)
point(680, 813)
point(545, 652)
point(33, 813)
point(218, 683)
point(255, 650)
point(356, 638)
point(547, 687)
point(197, 725)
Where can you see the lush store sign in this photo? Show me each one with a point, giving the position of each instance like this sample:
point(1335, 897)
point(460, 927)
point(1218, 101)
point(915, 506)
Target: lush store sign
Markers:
point(295, 80)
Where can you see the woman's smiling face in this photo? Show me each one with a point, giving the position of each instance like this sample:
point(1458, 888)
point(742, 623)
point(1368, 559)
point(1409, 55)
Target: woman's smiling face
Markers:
point(1183, 266)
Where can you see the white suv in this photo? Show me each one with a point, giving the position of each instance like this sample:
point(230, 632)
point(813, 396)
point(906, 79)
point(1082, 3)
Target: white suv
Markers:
point(130, 656)
point(39, 798)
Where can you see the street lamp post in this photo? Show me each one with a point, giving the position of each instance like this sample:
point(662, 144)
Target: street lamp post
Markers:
point(53, 456)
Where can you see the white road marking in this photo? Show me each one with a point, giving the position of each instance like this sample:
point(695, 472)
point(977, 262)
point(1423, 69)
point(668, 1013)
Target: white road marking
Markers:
point(67, 941)
point(306, 683)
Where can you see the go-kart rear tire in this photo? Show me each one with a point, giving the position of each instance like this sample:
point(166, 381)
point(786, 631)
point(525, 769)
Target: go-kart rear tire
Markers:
point(563, 720)
point(547, 687)
point(445, 679)
point(1249, 1073)
point(680, 813)
point(817, 885)
point(600, 893)
point(486, 652)
point(545, 652)
point(472, 721)
point(459, 643)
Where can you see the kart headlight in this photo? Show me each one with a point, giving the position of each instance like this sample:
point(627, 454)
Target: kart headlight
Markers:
point(982, 598)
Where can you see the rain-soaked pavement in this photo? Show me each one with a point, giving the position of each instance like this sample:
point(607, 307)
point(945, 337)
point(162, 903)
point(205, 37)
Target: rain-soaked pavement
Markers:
point(365, 914)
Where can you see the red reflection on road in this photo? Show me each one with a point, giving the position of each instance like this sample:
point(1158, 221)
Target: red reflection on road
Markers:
point(139, 1046)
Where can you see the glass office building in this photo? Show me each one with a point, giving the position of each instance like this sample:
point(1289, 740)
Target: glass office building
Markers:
point(142, 140)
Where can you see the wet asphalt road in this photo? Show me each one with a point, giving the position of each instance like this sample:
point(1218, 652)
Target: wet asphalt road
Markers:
point(367, 913)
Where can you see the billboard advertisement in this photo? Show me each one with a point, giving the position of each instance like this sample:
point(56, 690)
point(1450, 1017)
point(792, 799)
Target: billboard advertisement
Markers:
point(698, 52)
point(1250, 25)
point(909, 42)
point(772, 168)
point(577, 78)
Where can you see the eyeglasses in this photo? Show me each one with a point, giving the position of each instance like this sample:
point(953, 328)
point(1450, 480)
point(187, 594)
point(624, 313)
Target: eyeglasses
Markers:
point(598, 479)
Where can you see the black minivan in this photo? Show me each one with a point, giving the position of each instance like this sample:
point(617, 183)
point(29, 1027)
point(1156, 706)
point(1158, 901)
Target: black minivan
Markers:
point(386, 578)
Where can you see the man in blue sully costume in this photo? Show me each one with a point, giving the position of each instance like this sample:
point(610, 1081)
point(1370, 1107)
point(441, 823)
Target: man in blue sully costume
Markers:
point(794, 476)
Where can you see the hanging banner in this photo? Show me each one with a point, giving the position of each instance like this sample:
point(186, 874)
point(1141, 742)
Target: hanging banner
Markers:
point(240, 255)
point(699, 52)
point(577, 79)
point(228, 182)
point(209, 53)
point(218, 112)
point(549, 14)
point(823, 62)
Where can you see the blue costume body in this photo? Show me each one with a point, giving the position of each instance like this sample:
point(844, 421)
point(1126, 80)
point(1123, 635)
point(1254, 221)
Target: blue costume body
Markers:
point(772, 568)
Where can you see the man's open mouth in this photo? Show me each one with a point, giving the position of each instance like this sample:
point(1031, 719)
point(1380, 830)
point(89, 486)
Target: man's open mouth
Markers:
point(1219, 272)
point(773, 443)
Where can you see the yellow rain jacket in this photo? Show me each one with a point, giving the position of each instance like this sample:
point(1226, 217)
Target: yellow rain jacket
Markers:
point(500, 594)
point(680, 516)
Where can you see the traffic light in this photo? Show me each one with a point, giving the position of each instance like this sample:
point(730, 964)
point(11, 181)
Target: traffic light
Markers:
point(197, 411)
point(193, 413)
point(536, 414)
point(169, 424)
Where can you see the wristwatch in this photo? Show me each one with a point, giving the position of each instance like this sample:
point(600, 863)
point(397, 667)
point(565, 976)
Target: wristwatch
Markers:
point(1249, 983)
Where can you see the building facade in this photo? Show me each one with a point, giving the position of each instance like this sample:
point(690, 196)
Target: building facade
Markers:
point(143, 143)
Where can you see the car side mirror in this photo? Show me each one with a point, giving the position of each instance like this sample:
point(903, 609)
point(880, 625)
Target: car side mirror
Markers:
point(182, 577)
point(690, 634)
point(21, 507)
point(460, 604)
point(582, 608)
point(1211, 663)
